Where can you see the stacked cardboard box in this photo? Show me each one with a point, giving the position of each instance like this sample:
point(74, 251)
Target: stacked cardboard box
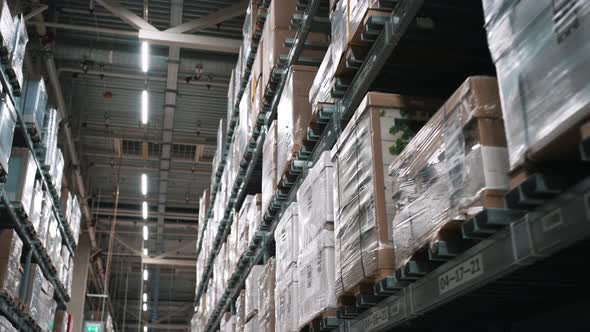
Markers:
point(315, 262)
point(218, 157)
point(34, 104)
point(294, 114)
point(10, 255)
point(228, 324)
point(252, 294)
point(269, 166)
point(243, 225)
point(287, 248)
point(7, 31)
point(7, 125)
point(540, 51)
point(39, 301)
point(21, 179)
point(456, 166)
point(266, 297)
point(14, 67)
point(363, 209)
point(241, 311)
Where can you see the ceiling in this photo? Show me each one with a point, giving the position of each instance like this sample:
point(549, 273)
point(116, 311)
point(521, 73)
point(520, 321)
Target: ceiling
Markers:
point(97, 55)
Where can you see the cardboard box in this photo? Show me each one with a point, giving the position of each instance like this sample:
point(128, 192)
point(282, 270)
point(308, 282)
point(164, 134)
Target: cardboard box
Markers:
point(266, 299)
point(257, 87)
point(294, 114)
point(34, 104)
point(241, 311)
point(316, 200)
point(287, 240)
point(252, 325)
point(252, 291)
point(254, 216)
point(316, 274)
point(540, 51)
point(286, 301)
point(361, 156)
point(10, 255)
point(447, 170)
point(21, 178)
point(7, 125)
point(321, 88)
point(269, 167)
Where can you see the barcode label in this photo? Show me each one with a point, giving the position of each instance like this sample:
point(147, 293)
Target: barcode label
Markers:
point(460, 274)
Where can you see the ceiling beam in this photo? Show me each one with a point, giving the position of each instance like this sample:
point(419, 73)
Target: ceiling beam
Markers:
point(212, 19)
point(203, 43)
point(175, 313)
point(126, 15)
point(36, 11)
point(129, 247)
point(170, 262)
point(179, 247)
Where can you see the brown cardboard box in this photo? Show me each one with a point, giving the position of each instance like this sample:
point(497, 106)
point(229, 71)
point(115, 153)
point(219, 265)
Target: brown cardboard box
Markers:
point(294, 113)
point(363, 208)
point(257, 88)
point(274, 46)
point(456, 166)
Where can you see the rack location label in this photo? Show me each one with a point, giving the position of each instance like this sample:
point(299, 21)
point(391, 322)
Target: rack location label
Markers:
point(460, 274)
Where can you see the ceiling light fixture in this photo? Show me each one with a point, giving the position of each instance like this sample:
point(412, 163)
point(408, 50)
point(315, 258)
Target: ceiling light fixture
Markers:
point(145, 307)
point(146, 233)
point(145, 274)
point(144, 187)
point(145, 328)
point(144, 297)
point(145, 53)
point(144, 210)
point(145, 251)
point(144, 107)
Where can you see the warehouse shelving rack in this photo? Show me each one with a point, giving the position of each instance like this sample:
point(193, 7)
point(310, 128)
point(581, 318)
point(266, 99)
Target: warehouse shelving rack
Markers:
point(33, 249)
point(509, 241)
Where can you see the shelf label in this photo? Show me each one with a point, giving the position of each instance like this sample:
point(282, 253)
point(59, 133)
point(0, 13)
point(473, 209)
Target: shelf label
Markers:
point(460, 274)
point(379, 318)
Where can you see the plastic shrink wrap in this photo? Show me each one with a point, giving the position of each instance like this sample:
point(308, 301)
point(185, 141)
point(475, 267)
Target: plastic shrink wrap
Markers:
point(362, 210)
point(252, 325)
point(7, 30)
point(49, 138)
point(250, 23)
point(315, 199)
point(269, 166)
point(34, 104)
point(316, 274)
point(242, 218)
point(40, 298)
point(17, 57)
point(266, 298)
point(37, 206)
point(218, 157)
point(321, 88)
point(252, 291)
point(6, 326)
point(241, 311)
point(244, 128)
point(21, 179)
point(287, 240)
point(56, 171)
point(46, 212)
point(10, 255)
point(229, 324)
point(254, 217)
point(453, 168)
point(75, 219)
point(293, 114)
point(286, 300)
point(541, 54)
point(232, 246)
point(7, 125)
point(231, 95)
point(257, 85)
point(203, 208)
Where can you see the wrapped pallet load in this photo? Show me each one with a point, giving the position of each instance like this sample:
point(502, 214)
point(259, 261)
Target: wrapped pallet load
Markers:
point(287, 248)
point(20, 184)
point(541, 49)
point(293, 114)
point(277, 31)
point(363, 209)
point(257, 87)
point(241, 311)
point(252, 293)
point(315, 262)
point(456, 166)
point(266, 298)
point(10, 256)
point(40, 298)
point(34, 105)
point(7, 125)
point(269, 167)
